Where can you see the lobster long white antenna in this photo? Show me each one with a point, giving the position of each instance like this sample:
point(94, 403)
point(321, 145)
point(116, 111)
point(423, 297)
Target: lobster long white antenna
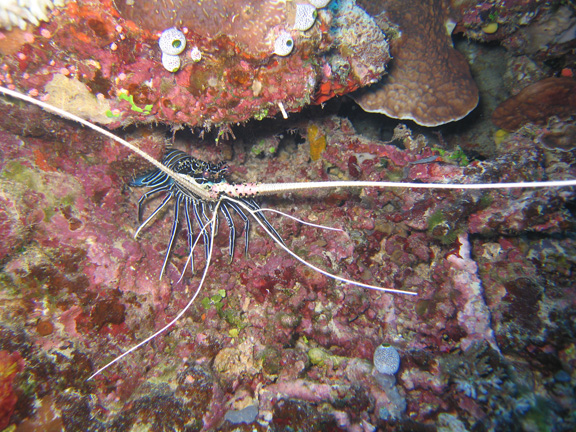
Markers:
point(182, 312)
point(312, 266)
point(303, 222)
point(274, 188)
point(185, 181)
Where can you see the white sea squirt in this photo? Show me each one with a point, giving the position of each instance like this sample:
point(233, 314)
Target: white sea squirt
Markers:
point(386, 359)
point(172, 42)
point(319, 4)
point(284, 44)
point(305, 17)
point(170, 62)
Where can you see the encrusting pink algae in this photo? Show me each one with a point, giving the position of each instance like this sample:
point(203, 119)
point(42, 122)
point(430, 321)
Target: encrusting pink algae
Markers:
point(270, 344)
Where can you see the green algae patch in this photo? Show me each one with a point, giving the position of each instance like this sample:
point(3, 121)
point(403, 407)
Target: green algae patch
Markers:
point(317, 356)
point(18, 176)
point(22, 174)
point(48, 213)
point(440, 229)
point(68, 200)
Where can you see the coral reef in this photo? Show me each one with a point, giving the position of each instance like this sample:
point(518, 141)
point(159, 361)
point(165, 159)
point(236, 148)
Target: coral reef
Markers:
point(490, 21)
point(362, 46)
point(428, 82)
point(237, 60)
point(10, 365)
point(552, 26)
point(271, 342)
point(20, 13)
point(487, 344)
point(246, 23)
point(537, 103)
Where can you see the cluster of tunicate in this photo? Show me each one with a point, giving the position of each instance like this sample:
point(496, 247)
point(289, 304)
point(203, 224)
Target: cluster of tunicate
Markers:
point(172, 42)
point(23, 12)
point(386, 359)
point(304, 18)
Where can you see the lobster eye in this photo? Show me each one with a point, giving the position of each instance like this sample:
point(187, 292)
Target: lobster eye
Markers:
point(172, 41)
point(284, 44)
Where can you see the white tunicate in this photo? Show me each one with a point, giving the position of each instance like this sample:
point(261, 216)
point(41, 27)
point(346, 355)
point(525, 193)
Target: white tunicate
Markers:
point(245, 415)
point(170, 62)
point(319, 4)
point(284, 44)
point(172, 41)
point(386, 359)
point(305, 17)
point(195, 54)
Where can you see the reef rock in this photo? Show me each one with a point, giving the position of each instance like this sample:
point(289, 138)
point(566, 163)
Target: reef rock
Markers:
point(238, 59)
point(537, 103)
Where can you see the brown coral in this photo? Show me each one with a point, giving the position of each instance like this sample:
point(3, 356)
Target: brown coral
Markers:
point(428, 81)
point(537, 103)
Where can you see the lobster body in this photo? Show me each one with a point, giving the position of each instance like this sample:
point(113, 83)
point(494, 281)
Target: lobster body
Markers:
point(204, 173)
point(181, 163)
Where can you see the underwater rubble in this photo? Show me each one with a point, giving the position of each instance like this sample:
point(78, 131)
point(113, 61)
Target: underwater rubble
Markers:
point(101, 59)
point(487, 344)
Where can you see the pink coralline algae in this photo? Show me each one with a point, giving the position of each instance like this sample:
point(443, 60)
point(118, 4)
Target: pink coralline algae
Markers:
point(473, 315)
point(80, 289)
point(488, 342)
point(100, 59)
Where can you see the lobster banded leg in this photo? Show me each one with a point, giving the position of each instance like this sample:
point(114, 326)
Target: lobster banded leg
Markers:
point(246, 220)
point(148, 195)
point(254, 206)
point(153, 179)
point(173, 232)
point(187, 204)
point(154, 213)
point(232, 228)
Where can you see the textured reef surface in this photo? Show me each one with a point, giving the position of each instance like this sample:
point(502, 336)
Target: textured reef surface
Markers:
point(489, 342)
point(237, 60)
point(489, 336)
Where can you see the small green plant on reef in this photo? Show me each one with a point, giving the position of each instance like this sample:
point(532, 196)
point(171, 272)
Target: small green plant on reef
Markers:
point(440, 229)
point(215, 300)
point(231, 315)
point(265, 148)
point(493, 16)
point(130, 99)
point(457, 156)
